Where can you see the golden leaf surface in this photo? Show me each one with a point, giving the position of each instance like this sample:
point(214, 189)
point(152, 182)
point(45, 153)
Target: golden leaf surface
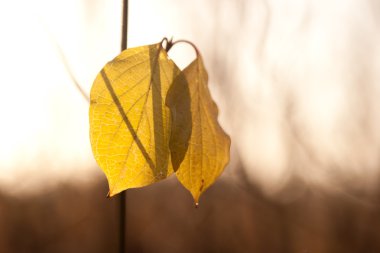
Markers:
point(196, 131)
point(130, 124)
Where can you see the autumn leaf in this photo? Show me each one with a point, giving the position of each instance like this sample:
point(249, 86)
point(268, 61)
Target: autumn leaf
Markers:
point(195, 129)
point(130, 124)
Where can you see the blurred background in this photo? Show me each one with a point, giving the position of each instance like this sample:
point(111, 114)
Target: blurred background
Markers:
point(298, 89)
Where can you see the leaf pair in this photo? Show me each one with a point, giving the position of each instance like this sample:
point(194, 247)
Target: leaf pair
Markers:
point(148, 118)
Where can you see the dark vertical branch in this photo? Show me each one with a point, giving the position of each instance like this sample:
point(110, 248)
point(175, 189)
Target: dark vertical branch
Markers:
point(124, 32)
point(122, 224)
point(123, 195)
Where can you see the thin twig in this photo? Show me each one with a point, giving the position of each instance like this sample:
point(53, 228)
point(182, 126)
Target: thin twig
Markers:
point(71, 74)
point(67, 66)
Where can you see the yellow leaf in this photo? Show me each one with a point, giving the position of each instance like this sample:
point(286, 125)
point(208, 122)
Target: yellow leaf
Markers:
point(129, 122)
point(199, 146)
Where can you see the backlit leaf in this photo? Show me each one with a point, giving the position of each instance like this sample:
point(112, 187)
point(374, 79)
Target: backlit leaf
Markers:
point(195, 129)
point(129, 122)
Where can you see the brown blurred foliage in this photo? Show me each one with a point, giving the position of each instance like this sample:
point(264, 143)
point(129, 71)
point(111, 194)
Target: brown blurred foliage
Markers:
point(234, 216)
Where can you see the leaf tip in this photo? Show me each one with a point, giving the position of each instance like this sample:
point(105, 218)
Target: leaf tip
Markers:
point(111, 193)
point(196, 199)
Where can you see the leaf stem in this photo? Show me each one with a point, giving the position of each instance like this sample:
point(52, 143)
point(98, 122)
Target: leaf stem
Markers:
point(169, 44)
point(187, 42)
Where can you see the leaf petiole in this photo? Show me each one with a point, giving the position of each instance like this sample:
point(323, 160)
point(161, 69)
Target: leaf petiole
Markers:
point(170, 44)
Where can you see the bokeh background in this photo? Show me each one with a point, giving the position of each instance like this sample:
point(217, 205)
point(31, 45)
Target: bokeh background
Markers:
point(298, 88)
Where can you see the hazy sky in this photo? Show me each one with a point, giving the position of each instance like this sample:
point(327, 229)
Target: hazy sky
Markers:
point(297, 82)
